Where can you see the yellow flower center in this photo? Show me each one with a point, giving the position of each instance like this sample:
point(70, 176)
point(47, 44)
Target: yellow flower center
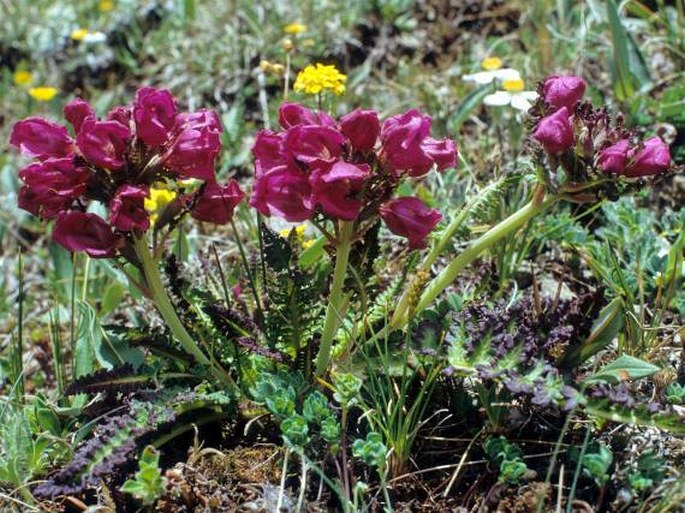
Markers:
point(43, 94)
point(106, 5)
point(491, 63)
point(294, 28)
point(159, 198)
point(513, 85)
point(317, 78)
point(79, 34)
point(22, 77)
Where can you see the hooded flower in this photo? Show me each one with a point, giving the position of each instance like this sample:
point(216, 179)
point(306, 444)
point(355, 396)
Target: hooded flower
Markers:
point(411, 218)
point(103, 143)
point(283, 191)
point(81, 231)
point(563, 91)
point(76, 111)
point(613, 158)
point(554, 132)
point(654, 158)
point(217, 202)
point(310, 143)
point(293, 114)
point(362, 128)
point(334, 188)
point(127, 209)
point(155, 114)
point(196, 145)
point(38, 137)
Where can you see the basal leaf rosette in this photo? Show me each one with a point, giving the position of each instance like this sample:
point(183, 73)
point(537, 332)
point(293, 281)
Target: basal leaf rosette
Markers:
point(121, 161)
point(590, 154)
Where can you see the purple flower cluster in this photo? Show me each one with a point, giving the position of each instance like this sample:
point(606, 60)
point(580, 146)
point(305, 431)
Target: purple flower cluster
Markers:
point(115, 161)
point(348, 169)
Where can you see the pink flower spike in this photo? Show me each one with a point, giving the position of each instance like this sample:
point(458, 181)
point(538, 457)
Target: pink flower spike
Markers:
point(554, 132)
point(362, 128)
point(81, 231)
point(76, 111)
point(127, 209)
point(217, 202)
point(334, 187)
point(103, 143)
point(38, 137)
point(654, 158)
point(411, 218)
point(283, 191)
point(154, 112)
point(563, 91)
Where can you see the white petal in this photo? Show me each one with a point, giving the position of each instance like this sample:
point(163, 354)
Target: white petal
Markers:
point(482, 77)
point(507, 74)
point(518, 101)
point(529, 95)
point(498, 98)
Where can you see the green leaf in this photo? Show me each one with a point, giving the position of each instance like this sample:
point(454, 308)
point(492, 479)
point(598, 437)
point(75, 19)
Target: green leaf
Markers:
point(113, 295)
point(625, 367)
point(88, 336)
point(604, 330)
point(470, 103)
point(630, 74)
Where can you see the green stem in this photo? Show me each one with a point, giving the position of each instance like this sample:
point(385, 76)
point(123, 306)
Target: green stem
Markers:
point(336, 296)
point(506, 227)
point(158, 294)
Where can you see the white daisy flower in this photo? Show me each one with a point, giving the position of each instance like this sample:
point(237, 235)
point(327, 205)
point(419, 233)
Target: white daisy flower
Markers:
point(493, 71)
point(512, 94)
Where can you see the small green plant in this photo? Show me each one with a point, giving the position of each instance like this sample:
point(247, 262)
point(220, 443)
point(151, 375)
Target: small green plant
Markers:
point(596, 465)
point(508, 458)
point(148, 483)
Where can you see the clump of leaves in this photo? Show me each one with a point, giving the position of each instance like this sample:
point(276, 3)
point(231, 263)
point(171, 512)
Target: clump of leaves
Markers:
point(508, 458)
point(148, 483)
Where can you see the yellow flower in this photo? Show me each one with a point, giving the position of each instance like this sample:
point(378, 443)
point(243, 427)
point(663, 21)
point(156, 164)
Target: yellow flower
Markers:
point(491, 63)
point(159, 198)
point(106, 5)
point(317, 78)
point(299, 231)
point(43, 94)
point(294, 28)
point(513, 85)
point(22, 77)
point(79, 34)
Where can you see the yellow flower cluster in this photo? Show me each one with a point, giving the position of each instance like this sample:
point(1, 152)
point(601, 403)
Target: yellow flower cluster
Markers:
point(299, 236)
point(318, 77)
point(159, 198)
point(106, 5)
point(43, 94)
point(22, 77)
point(295, 28)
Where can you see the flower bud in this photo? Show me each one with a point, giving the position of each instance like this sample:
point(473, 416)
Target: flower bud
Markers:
point(411, 218)
point(563, 91)
point(653, 159)
point(293, 114)
point(76, 111)
point(554, 132)
point(612, 159)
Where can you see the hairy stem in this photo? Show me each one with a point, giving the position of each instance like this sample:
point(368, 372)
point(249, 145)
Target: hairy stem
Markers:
point(506, 227)
point(336, 296)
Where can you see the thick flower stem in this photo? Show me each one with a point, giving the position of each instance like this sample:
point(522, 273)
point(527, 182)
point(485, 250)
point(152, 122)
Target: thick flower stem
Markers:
point(336, 296)
point(159, 296)
point(506, 227)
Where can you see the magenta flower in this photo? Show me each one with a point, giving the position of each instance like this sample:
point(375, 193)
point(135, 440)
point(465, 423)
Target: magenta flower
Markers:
point(196, 145)
point(154, 112)
point(283, 191)
point(443, 152)
point(293, 114)
point(563, 91)
point(654, 158)
point(60, 176)
point(311, 144)
point(122, 114)
point(38, 137)
point(554, 132)
point(613, 158)
point(42, 202)
point(334, 188)
point(362, 128)
point(127, 209)
point(268, 151)
point(103, 143)
point(401, 137)
point(76, 111)
point(217, 202)
point(81, 231)
point(411, 218)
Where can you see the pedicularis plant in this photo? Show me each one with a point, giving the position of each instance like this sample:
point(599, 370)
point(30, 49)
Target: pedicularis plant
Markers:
point(150, 165)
